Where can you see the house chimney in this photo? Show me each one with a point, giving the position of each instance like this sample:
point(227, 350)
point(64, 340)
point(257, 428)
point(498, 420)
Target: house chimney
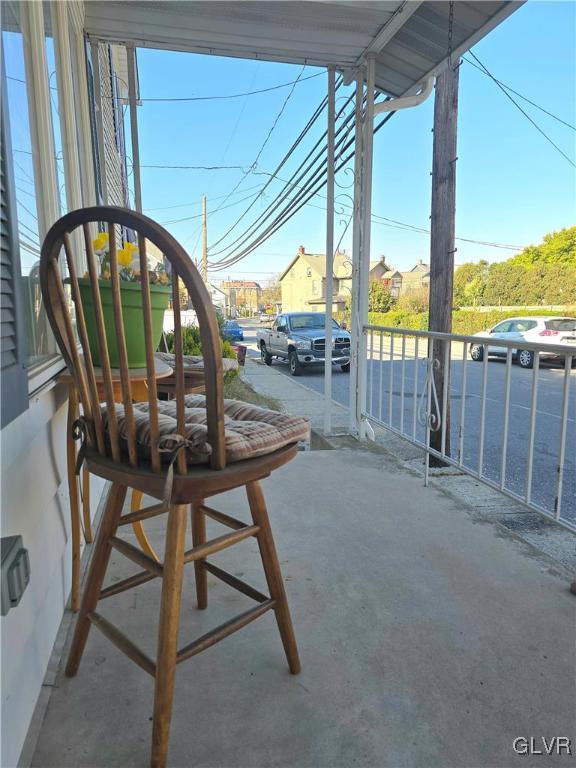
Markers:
point(301, 250)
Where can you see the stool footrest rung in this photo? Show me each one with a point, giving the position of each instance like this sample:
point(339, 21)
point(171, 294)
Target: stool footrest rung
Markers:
point(228, 628)
point(137, 556)
point(143, 514)
point(123, 643)
point(220, 517)
point(220, 542)
point(132, 581)
point(238, 584)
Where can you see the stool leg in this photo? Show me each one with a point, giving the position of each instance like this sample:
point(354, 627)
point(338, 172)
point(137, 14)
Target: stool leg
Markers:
point(273, 574)
point(168, 632)
point(199, 537)
point(86, 504)
point(74, 501)
point(96, 575)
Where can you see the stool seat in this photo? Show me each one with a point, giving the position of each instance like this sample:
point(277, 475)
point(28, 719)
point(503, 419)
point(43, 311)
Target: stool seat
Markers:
point(198, 483)
point(249, 431)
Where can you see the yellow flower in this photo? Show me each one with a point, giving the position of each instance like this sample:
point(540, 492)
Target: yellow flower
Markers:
point(125, 257)
point(128, 246)
point(99, 243)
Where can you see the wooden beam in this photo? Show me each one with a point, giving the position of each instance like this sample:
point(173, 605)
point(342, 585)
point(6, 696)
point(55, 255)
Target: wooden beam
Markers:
point(442, 228)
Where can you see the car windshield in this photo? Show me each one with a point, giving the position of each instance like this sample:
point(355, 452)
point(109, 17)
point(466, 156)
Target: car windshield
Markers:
point(315, 320)
point(561, 324)
point(231, 324)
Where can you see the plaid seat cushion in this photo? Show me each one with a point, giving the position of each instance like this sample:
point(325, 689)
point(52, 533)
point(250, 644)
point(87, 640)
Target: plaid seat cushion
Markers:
point(195, 363)
point(249, 431)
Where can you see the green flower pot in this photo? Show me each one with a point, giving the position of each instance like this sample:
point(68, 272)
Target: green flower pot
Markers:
point(133, 316)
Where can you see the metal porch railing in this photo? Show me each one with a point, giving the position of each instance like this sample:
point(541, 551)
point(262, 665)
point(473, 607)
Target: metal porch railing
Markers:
point(515, 433)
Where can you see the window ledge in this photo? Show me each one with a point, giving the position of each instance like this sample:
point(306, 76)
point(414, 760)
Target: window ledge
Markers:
point(43, 375)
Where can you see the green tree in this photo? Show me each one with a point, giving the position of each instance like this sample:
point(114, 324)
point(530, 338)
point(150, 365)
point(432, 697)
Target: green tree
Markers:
point(466, 274)
point(556, 247)
point(379, 297)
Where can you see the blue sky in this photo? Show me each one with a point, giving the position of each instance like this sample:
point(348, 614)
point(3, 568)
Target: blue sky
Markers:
point(512, 186)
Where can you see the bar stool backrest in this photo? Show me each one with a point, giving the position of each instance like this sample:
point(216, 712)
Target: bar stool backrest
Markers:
point(62, 307)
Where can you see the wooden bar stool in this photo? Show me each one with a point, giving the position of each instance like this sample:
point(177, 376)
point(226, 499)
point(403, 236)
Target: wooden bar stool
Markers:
point(181, 452)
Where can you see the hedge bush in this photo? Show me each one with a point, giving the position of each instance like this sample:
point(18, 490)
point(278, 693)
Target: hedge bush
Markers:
point(464, 321)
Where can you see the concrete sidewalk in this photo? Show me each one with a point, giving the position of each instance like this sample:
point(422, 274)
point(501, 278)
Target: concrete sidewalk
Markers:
point(294, 397)
point(427, 639)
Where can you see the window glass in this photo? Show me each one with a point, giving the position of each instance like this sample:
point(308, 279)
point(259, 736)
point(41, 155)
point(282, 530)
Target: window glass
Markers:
point(39, 338)
point(502, 327)
point(521, 326)
point(315, 321)
point(54, 106)
point(561, 324)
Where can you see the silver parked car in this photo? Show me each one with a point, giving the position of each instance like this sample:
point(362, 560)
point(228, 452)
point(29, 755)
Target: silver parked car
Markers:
point(557, 331)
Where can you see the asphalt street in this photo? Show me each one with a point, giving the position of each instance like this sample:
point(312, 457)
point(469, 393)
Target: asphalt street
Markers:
point(385, 399)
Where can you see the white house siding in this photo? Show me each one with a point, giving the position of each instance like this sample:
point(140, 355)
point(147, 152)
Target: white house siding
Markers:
point(113, 159)
point(35, 505)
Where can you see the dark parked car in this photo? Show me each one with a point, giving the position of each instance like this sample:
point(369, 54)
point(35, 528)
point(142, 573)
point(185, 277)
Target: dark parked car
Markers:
point(231, 331)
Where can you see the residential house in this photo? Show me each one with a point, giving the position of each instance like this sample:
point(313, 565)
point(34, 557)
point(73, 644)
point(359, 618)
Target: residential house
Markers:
point(303, 282)
point(243, 295)
point(413, 281)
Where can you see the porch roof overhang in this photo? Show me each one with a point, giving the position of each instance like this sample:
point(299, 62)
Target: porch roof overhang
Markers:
point(408, 38)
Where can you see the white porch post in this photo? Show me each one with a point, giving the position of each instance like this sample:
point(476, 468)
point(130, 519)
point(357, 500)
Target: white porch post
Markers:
point(366, 223)
point(355, 328)
point(131, 54)
point(361, 242)
point(329, 251)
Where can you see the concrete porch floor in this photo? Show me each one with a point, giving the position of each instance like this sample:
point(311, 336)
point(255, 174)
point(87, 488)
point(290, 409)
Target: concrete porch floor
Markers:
point(427, 639)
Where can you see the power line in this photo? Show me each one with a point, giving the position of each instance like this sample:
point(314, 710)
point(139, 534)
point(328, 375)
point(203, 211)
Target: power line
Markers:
point(199, 167)
point(296, 204)
point(293, 183)
point(194, 202)
point(228, 96)
point(199, 215)
point(509, 88)
point(316, 114)
point(267, 139)
point(526, 115)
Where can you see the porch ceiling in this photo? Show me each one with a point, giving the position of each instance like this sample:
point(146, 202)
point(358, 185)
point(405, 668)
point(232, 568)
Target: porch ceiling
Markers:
point(410, 39)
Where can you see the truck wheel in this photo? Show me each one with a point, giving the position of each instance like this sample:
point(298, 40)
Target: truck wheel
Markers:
point(346, 367)
point(295, 367)
point(266, 356)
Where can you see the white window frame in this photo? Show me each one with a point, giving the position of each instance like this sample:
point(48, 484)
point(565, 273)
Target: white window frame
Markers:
point(80, 186)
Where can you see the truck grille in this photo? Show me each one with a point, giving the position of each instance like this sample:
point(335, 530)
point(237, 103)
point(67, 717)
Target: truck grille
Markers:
point(339, 343)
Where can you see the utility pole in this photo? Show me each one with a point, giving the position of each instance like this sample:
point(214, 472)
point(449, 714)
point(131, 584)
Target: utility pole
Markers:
point(204, 242)
point(442, 233)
